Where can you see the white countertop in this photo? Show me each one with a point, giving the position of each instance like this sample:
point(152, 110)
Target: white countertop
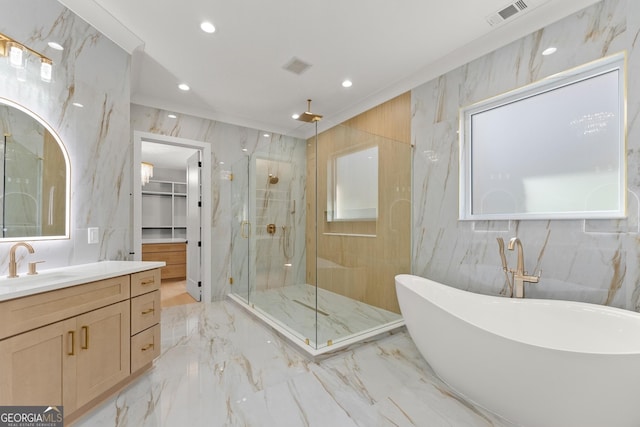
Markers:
point(63, 277)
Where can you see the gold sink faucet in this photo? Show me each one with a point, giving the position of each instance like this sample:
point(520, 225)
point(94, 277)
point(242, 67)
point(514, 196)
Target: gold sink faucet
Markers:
point(13, 265)
point(520, 275)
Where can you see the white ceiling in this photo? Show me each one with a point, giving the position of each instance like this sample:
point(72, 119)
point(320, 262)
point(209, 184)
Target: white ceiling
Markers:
point(236, 75)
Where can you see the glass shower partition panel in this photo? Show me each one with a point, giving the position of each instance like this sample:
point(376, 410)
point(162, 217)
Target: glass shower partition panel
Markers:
point(363, 236)
point(320, 229)
point(240, 230)
point(277, 248)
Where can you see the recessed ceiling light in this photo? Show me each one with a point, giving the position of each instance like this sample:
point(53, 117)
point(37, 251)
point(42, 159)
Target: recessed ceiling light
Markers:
point(347, 83)
point(222, 163)
point(295, 116)
point(77, 104)
point(207, 27)
point(56, 46)
point(266, 135)
point(172, 116)
point(549, 51)
point(245, 150)
point(183, 86)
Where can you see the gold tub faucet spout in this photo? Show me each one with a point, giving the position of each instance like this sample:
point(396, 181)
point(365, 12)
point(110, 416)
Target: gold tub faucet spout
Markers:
point(13, 265)
point(520, 275)
point(520, 266)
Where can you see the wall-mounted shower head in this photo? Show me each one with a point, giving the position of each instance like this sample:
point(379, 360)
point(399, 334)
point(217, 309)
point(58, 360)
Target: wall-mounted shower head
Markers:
point(308, 116)
point(273, 179)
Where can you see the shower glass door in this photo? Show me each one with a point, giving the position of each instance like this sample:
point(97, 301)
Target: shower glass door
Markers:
point(240, 230)
point(276, 188)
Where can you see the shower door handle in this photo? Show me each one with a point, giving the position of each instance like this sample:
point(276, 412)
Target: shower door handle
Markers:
point(245, 235)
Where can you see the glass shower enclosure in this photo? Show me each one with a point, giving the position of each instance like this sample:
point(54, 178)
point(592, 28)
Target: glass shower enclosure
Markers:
point(319, 230)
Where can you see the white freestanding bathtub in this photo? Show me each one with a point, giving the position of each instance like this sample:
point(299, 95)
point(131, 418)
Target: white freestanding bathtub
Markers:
point(538, 363)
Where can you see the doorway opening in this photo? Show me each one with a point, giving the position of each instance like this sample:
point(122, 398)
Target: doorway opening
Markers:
point(170, 208)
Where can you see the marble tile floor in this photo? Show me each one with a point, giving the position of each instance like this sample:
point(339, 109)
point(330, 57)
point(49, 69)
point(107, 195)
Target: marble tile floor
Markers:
point(338, 316)
point(220, 366)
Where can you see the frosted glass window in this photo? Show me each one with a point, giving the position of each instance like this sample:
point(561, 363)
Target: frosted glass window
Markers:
point(353, 186)
point(554, 149)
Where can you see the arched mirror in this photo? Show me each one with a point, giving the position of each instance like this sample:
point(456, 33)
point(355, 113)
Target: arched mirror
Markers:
point(34, 190)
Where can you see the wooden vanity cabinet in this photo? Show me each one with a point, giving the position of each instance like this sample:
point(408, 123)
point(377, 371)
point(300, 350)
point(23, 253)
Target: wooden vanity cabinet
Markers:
point(81, 357)
point(38, 367)
point(69, 362)
point(103, 351)
point(145, 318)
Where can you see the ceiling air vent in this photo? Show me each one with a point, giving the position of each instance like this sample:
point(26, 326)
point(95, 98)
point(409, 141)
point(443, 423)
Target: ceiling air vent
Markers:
point(296, 66)
point(507, 12)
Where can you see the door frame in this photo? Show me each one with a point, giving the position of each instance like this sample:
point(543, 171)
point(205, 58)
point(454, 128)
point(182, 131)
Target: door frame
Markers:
point(205, 214)
point(194, 224)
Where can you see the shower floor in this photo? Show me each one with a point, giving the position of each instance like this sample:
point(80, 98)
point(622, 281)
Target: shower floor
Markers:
point(338, 317)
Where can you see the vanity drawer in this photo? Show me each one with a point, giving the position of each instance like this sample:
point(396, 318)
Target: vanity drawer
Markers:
point(145, 311)
point(33, 311)
point(145, 347)
point(145, 281)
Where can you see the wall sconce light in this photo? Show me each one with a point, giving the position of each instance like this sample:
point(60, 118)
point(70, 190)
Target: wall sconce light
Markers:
point(146, 172)
point(46, 70)
point(17, 53)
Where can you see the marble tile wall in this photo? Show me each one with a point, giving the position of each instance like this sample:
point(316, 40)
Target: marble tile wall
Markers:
point(278, 255)
point(594, 261)
point(94, 71)
point(229, 201)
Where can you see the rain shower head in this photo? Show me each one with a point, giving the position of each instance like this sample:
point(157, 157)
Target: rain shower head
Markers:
point(308, 116)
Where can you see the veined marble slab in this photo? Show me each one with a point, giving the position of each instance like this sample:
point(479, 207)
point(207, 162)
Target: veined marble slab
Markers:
point(338, 318)
point(93, 71)
point(221, 367)
point(592, 261)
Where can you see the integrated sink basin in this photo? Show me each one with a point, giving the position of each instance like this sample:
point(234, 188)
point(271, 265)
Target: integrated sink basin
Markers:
point(58, 278)
point(44, 276)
